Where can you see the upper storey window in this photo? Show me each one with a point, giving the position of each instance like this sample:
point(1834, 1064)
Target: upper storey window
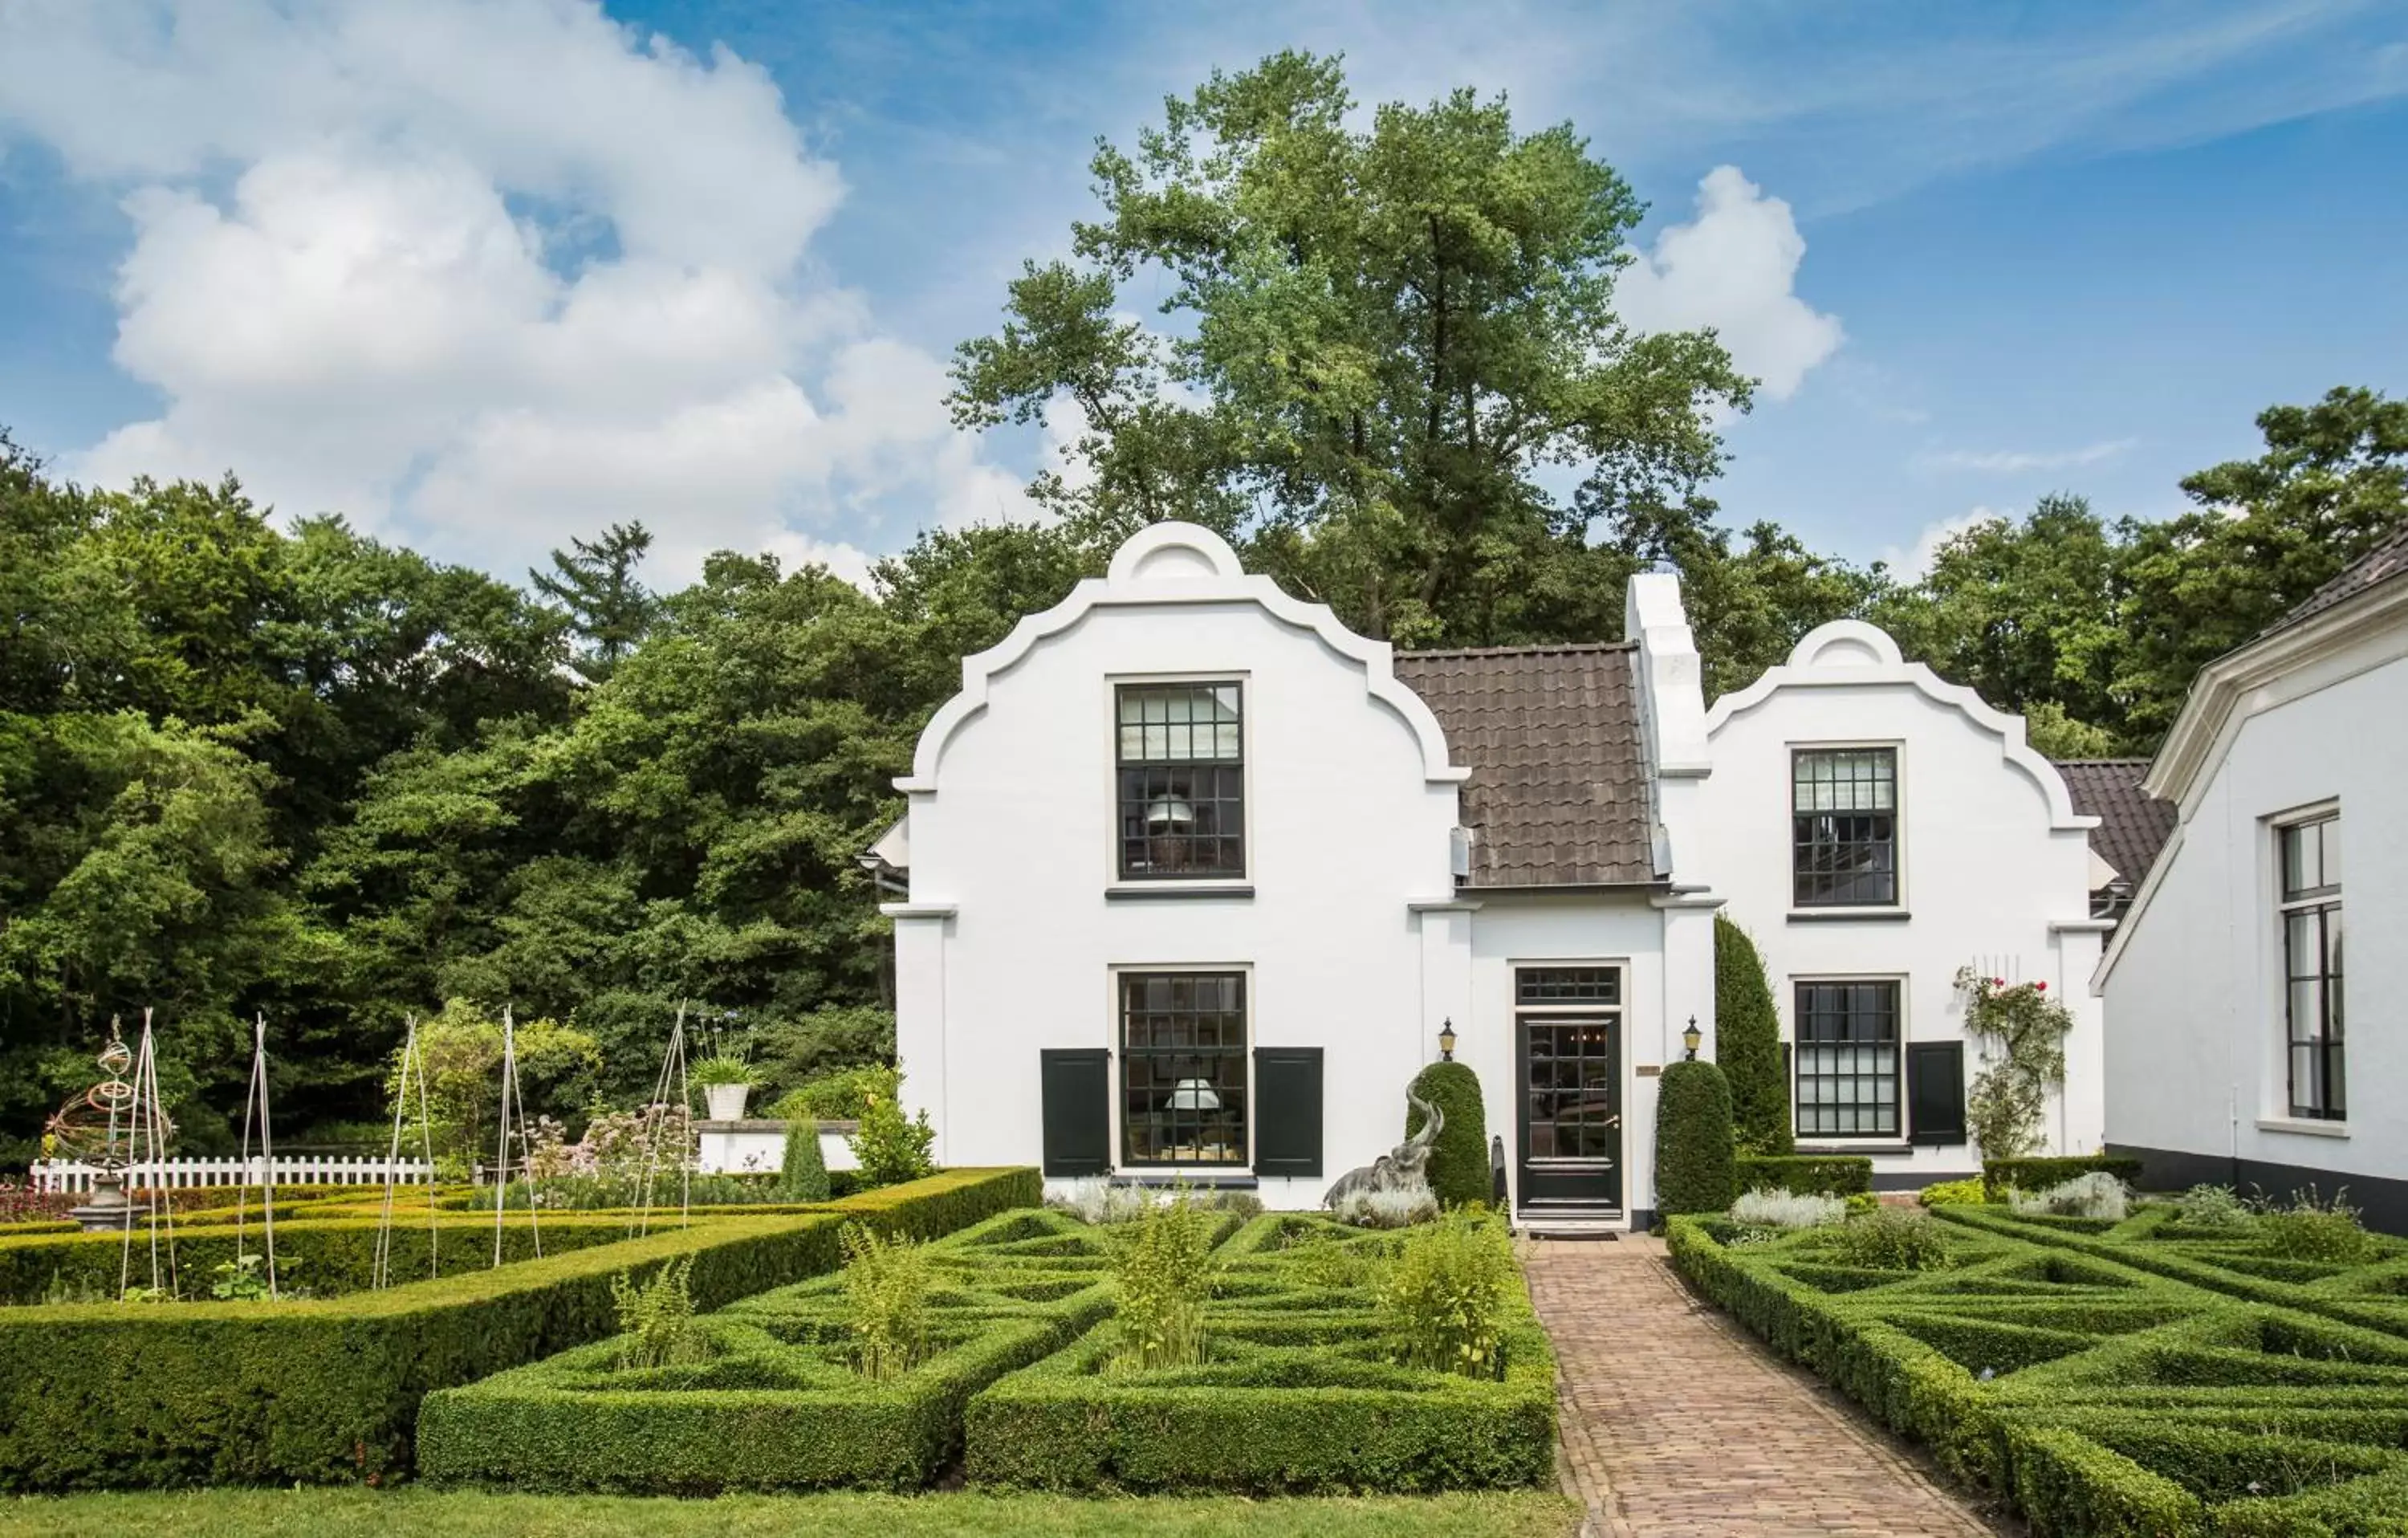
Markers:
point(1183, 791)
point(1843, 827)
point(2310, 905)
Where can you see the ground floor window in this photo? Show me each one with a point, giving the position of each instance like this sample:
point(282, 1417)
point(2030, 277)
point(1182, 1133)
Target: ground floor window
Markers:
point(1183, 1068)
point(1847, 1058)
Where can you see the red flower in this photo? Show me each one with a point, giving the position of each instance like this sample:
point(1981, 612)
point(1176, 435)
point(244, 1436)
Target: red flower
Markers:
point(2040, 987)
point(1997, 982)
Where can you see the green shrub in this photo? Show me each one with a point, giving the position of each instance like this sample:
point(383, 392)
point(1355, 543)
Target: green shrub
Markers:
point(2214, 1208)
point(1163, 1262)
point(1890, 1239)
point(655, 1318)
point(886, 1291)
point(1747, 1044)
point(2096, 1195)
point(1806, 1174)
point(1952, 1193)
point(2309, 1229)
point(1448, 1295)
point(101, 1396)
point(2001, 1176)
point(890, 1148)
point(803, 1173)
point(1458, 1160)
point(839, 1096)
point(1695, 1170)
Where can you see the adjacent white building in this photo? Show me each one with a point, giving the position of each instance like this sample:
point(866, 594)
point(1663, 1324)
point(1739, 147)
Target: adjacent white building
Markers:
point(1199, 879)
point(2244, 1052)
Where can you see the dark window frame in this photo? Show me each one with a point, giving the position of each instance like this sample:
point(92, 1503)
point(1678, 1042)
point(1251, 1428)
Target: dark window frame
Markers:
point(1844, 857)
point(1588, 1001)
point(1823, 1007)
point(1209, 788)
point(1157, 1101)
point(2308, 901)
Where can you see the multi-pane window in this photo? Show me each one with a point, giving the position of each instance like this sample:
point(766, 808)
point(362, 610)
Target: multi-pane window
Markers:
point(1843, 827)
point(1182, 765)
point(1572, 1075)
point(1183, 1067)
point(2312, 983)
point(1847, 1059)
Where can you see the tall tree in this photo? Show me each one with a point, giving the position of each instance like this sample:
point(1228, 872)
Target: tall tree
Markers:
point(1388, 343)
point(595, 580)
point(2266, 533)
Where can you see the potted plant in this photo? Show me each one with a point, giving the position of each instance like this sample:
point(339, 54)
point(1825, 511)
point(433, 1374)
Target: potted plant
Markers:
point(725, 1081)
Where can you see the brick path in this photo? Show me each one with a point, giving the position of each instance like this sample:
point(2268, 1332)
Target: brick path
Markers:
point(1678, 1423)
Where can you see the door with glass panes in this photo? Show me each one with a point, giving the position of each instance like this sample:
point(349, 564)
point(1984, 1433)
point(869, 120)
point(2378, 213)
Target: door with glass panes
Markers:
point(1568, 1024)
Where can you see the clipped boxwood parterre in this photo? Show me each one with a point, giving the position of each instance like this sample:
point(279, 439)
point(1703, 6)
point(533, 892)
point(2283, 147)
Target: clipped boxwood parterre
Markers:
point(1295, 1394)
point(116, 1395)
point(2108, 1378)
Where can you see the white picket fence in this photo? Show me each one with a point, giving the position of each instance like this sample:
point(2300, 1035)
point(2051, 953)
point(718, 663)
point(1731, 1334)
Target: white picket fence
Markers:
point(179, 1173)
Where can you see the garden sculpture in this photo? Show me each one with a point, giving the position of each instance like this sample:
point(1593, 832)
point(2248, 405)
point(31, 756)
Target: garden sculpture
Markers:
point(1401, 1168)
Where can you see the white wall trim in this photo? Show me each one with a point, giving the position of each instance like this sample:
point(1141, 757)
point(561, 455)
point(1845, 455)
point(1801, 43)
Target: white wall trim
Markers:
point(1174, 563)
point(1852, 653)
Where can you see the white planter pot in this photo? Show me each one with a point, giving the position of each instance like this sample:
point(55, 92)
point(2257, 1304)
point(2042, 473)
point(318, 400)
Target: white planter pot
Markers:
point(726, 1100)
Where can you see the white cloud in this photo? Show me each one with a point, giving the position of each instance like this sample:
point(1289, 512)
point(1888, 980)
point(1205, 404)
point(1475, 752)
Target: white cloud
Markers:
point(1914, 563)
point(2011, 461)
point(487, 275)
point(1733, 267)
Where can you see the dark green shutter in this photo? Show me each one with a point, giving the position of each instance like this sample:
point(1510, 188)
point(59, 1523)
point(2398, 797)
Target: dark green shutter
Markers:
point(1078, 1094)
point(1935, 1092)
point(1287, 1111)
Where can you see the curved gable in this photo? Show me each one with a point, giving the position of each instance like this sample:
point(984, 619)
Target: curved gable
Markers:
point(1853, 654)
point(1175, 564)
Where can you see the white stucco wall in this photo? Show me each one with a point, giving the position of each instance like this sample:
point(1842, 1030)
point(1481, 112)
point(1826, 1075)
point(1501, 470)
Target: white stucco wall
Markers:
point(1012, 935)
point(2196, 1061)
point(1994, 864)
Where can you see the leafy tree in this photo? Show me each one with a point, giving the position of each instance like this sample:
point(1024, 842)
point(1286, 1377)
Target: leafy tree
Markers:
point(595, 581)
point(1388, 342)
point(1747, 1043)
point(2266, 533)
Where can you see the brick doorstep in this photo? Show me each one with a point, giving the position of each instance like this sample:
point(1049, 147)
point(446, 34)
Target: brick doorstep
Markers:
point(1676, 1423)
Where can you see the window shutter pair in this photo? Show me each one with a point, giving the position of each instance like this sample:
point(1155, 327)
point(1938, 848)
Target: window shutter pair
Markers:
point(1076, 1086)
point(1935, 1092)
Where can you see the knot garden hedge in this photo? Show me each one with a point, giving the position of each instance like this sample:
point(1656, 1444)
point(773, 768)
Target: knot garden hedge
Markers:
point(2120, 1379)
point(1295, 1392)
point(102, 1395)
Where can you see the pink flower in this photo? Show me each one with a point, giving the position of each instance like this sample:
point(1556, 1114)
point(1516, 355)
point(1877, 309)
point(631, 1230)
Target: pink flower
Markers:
point(1997, 982)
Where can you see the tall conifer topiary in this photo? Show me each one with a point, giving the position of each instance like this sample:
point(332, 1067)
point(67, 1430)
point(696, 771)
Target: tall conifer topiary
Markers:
point(1696, 1170)
point(1458, 1161)
point(804, 1174)
point(1747, 1044)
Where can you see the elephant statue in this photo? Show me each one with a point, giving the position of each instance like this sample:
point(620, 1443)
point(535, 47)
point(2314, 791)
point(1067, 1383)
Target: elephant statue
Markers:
point(1401, 1168)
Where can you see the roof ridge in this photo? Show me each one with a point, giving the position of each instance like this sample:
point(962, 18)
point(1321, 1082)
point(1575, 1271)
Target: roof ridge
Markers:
point(2101, 763)
point(1542, 649)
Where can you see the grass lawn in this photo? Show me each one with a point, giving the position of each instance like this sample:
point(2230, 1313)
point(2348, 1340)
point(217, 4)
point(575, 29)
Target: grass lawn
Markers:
point(439, 1514)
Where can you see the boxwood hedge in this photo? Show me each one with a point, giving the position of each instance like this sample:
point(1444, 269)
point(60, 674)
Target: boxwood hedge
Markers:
point(116, 1395)
point(2114, 1379)
point(1296, 1393)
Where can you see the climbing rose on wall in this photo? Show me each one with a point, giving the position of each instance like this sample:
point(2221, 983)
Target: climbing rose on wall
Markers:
point(2025, 1030)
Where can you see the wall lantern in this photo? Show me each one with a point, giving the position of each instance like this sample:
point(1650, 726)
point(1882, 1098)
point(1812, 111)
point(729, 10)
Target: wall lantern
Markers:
point(1446, 1041)
point(1690, 1038)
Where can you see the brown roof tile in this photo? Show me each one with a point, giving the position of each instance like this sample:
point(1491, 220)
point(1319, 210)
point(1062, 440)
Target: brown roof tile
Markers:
point(1558, 788)
point(2385, 561)
point(2132, 824)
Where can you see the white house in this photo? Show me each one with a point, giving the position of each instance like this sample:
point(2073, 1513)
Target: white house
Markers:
point(2230, 1060)
point(1199, 879)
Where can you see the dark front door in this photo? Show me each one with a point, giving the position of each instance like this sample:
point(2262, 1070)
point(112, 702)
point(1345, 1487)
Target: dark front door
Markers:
point(1570, 1030)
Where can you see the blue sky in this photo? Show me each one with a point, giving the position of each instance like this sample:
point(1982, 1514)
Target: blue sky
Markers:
point(484, 275)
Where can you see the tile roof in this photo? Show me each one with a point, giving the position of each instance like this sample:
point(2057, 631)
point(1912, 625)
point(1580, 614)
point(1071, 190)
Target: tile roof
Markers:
point(1558, 788)
point(2382, 563)
point(2132, 826)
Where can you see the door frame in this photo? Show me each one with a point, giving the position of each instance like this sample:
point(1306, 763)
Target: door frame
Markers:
point(1618, 1015)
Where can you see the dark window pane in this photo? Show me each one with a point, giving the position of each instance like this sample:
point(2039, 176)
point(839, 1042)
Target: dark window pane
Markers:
point(1845, 827)
point(1181, 781)
point(1183, 1067)
point(1846, 1059)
